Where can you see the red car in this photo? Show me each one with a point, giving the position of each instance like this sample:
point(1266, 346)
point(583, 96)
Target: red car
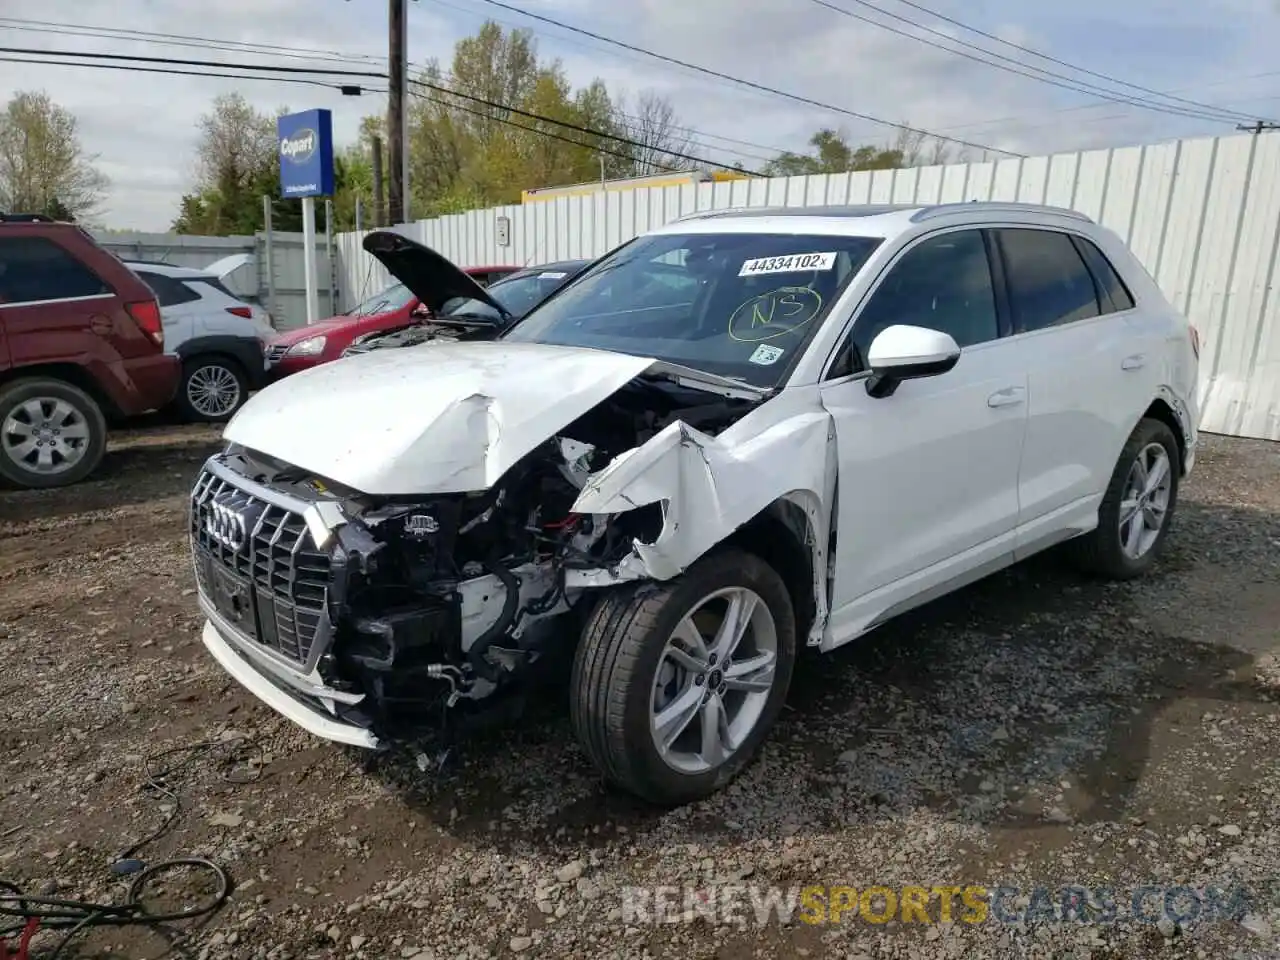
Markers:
point(325, 340)
point(81, 345)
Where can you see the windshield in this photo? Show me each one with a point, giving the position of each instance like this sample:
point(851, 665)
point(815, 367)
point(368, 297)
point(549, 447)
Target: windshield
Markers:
point(518, 295)
point(393, 298)
point(740, 305)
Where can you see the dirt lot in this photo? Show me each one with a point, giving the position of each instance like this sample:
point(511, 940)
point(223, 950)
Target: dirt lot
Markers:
point(1034, 731)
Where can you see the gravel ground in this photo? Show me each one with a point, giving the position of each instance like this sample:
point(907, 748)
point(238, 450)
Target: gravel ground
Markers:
point(1034, 731)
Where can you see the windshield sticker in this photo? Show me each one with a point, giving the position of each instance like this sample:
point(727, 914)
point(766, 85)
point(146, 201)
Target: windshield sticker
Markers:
point(766, 355)
point(792, 263)
point(552, 276)
point(773, 314)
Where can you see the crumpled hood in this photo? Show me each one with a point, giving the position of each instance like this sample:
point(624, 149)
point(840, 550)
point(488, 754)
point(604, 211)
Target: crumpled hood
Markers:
point(441, 418)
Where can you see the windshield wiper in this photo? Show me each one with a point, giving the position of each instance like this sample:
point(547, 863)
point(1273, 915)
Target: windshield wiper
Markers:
point(679, 373)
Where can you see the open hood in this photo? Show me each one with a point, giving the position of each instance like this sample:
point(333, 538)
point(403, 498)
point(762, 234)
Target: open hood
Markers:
point(433, 279)
point(441, 418)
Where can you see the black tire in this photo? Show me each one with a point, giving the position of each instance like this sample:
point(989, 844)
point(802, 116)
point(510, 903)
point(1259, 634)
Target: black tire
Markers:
point(13, 396)
point(616, 663)
point(1100, 551)
point(228, 368)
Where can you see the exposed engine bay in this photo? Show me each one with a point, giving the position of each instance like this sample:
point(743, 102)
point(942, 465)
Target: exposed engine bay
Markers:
point(434, 606)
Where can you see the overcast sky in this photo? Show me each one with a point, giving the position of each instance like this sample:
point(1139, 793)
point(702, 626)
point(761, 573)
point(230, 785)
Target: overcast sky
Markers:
point(143, 126)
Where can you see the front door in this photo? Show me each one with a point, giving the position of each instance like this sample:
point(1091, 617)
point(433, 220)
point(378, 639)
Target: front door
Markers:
point(927, 488)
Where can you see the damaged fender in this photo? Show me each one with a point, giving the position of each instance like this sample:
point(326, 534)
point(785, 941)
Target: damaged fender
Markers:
point(710, 486)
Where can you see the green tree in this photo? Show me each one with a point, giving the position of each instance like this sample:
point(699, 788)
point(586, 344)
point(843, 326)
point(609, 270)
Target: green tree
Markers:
point(237, 164)
point(43, 166)
point(470, 150)
point(831, 152)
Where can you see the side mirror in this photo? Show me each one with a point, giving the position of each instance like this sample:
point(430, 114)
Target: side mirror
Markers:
point(902, 352)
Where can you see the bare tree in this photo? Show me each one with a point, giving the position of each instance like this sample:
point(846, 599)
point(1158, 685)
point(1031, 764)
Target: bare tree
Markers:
point(653, 124)
point(43, 166)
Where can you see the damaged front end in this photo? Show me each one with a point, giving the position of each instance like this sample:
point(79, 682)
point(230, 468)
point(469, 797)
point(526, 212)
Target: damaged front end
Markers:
point(376, 619)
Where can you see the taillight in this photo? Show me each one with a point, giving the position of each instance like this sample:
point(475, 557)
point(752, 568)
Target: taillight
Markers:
point(146, 314)
point(241, 312)
point(1195, 340)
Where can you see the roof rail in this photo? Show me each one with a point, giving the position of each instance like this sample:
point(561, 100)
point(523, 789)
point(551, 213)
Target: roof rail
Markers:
point(26, 218)
point(817, 210)
point(997, 206)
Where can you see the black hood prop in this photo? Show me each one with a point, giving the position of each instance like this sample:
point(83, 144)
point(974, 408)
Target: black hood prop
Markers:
point(432, 278)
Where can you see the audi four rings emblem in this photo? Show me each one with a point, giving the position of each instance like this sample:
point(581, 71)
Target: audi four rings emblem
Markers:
point(225, 525)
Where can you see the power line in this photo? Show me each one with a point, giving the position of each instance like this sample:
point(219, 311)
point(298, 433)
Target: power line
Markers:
point(133, 68)
point(1044, 56)
point(1045, 76)
point(773, 151)
point(746, 83)
point(184, 40)
point(304, 53)
point(519, 126)
point(173, 61)
point(291, 71)
point(1095, 106)
point(570, 126)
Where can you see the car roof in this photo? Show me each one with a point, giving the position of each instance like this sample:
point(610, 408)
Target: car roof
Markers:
point(881, 220)
point(169, 270)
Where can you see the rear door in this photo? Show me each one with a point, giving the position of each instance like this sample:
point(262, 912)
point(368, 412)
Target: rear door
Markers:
point(52, 306)
point(1087, 383)
point(928, 476)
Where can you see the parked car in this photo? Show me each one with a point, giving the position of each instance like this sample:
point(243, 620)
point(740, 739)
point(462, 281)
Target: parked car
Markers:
point(219, 339)
point(81, 343)
point(321, 342)
point(466, 317)
point(740, 433)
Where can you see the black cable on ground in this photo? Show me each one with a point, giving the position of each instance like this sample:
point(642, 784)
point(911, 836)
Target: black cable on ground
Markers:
point(32, 913)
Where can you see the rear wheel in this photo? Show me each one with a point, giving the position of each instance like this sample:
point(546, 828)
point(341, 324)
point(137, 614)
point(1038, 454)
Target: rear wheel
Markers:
point(1137, 508)
point(51, 433)
point(676, 685)
point(212, 389)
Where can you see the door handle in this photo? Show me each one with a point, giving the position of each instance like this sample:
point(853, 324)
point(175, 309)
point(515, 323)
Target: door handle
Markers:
point(1135, 362)
point(1008, 397)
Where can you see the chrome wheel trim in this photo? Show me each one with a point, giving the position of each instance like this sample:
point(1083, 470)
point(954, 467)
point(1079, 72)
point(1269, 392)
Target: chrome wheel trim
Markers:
point(45, 435)
point(213, 390)
point(1144, 505)
point(713, 680)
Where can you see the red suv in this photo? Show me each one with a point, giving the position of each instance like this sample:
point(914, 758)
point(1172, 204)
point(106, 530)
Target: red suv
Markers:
point(325, 340)
point(81, 342)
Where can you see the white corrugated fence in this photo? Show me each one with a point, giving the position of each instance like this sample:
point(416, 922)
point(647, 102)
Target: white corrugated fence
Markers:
point(1202, 215)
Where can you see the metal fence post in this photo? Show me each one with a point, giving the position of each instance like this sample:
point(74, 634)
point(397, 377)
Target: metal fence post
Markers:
point(268, 270)
point(328, 252)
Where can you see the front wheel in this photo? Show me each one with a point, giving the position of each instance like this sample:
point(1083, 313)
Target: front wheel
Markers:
point(1137, 508)
point(676, 685)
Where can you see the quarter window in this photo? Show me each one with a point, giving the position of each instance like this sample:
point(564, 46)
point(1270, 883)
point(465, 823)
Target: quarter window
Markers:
point(943, 283)
point(1115, 294)
point(1049, 284)
point(34, 269)
point(168, 290)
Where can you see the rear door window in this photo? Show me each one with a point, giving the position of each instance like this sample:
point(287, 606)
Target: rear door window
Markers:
point(35, 269)
point(1049, 284)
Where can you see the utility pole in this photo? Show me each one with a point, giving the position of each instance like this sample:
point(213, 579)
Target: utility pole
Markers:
point(379, 195)
point(1260, 126)
point(397, 156)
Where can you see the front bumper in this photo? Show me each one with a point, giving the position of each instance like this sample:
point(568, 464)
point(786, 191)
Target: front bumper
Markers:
point(299, 699)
